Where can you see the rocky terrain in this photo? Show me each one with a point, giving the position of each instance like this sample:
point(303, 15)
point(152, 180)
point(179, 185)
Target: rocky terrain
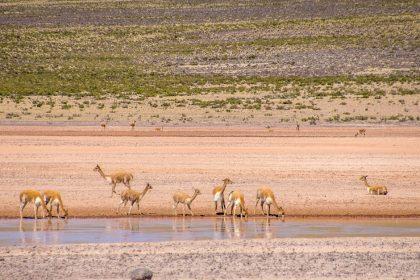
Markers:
point(344, 258)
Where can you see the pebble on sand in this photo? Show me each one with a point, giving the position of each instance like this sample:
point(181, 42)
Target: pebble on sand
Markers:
point(141, 274)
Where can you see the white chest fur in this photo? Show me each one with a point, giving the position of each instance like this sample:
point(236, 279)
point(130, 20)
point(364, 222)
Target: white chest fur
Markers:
point(38, 201)
point(268, 200)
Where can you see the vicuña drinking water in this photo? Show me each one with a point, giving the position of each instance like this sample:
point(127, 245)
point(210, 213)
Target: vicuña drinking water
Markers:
point(53, 198)
point(235, 200)
point(266, 197)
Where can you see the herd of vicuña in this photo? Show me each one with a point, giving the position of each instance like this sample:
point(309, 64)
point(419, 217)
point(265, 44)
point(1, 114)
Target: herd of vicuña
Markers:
point(235, 199)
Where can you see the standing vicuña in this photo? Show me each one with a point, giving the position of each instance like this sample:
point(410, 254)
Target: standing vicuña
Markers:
point(114, 178)
point(184, 199)
point(219, 195)
point(53, 198)
point(374, 189)
point(266, 196)
point(236, 199)
point(133, 124)
point(34, 196)
point(134, 197)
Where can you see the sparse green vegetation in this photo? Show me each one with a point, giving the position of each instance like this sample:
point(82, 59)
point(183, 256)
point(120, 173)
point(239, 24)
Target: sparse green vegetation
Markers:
point(229, 64)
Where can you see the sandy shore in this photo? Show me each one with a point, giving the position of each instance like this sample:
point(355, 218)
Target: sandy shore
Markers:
point(310, 175)
point(348, 258)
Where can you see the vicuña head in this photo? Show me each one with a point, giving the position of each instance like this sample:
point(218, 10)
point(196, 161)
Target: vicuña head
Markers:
point(97, 168)
point(148, 187)
point(227, 181)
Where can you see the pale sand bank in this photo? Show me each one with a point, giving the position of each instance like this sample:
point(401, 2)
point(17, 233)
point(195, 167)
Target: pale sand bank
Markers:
point(349, 258)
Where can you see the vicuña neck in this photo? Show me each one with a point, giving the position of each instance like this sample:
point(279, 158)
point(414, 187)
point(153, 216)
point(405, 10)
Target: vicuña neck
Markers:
point(366, 183)
point(224, 186)
point(101, 172)
point(193, 197)
point(144, 191)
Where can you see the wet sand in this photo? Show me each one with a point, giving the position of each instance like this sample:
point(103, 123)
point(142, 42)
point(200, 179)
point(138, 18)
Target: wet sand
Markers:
point(349, 258)
point(310, 175)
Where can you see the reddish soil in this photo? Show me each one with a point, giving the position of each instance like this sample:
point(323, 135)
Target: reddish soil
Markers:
point(310, 175)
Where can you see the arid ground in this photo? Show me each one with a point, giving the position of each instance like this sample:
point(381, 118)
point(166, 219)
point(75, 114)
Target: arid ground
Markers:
point(313, 175)
point(216, 88)
point(344, 258)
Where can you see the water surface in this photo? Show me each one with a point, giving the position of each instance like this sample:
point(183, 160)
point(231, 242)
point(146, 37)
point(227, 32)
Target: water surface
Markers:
point(151, 229)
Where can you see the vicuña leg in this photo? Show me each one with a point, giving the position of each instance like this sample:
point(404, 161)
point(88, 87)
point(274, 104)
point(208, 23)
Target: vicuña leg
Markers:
point(131, 207)
point(222, 203)
point(175, 206)
point(36, 211)
point(189, 207)
point(224, 213)
point(22, 206)
point(113, 189)
point(119, 206)
point(256, 203)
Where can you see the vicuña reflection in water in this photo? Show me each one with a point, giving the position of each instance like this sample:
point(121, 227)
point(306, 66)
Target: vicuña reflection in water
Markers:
point(149, 229)
point(42, 224)
point(38, 227)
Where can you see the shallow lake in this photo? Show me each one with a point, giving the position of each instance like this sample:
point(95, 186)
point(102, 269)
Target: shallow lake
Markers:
point(152, 229)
